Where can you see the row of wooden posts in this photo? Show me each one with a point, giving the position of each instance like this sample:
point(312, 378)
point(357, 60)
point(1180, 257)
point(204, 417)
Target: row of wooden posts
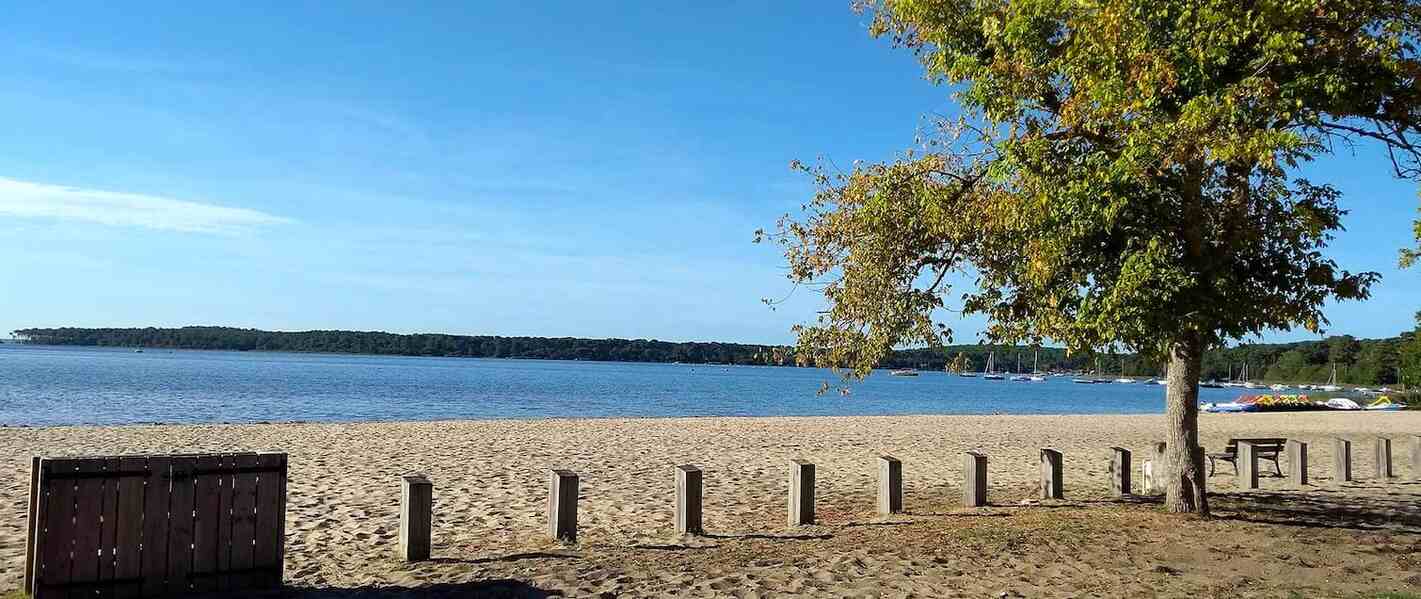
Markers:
point(417, 491)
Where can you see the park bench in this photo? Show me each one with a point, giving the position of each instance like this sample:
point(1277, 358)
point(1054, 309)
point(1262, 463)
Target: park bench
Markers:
point(155, 525)
point(1267, 449)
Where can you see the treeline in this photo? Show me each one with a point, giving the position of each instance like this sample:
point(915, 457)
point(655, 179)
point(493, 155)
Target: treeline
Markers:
point(1358, 361)
point(391, 344)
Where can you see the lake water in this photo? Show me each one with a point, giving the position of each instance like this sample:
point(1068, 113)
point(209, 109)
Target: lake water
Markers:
point(42, 385)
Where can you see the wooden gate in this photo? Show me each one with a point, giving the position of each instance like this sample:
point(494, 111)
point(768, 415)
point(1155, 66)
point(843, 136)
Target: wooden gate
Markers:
point(145, 526)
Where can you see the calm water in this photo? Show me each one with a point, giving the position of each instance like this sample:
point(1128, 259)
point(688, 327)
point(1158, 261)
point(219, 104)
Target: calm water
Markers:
point(65, 385)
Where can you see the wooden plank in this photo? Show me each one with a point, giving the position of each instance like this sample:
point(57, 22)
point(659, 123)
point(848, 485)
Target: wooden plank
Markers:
point(156, 492)
point(36, 496)
point(244, 501)
point(128, 527)
point(108, 514)
point(224, 525)
point(56, 561)
point(266, 549)
point(281, 521)
point(206, 526)
point(180, 525)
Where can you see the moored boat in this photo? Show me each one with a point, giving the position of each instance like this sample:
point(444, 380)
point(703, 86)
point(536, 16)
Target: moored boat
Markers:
point(990, 374)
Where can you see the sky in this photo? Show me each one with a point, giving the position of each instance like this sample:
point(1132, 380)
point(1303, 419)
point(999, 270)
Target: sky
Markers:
point(529, 168)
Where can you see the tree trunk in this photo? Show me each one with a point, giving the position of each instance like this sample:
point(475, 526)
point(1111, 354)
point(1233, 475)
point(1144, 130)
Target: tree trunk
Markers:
point(1185, 492)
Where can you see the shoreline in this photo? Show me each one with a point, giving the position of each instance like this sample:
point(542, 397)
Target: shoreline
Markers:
point(690, 418)
point(532, 419)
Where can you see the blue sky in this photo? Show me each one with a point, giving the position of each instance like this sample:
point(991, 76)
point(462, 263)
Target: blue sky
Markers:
point(540, 168)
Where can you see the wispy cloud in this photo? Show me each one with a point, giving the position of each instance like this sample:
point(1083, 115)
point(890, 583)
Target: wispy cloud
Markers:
point(42, 200)
point(110, 61)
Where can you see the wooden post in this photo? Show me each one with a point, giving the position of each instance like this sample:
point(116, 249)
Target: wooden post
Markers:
point(975, 487)
point(562, 505)
point(801, 493)
point(1247, 465)
point(1160, 472)
point(1051, 485)
point(416, 517)
point(890, 485)
point(1383, 453)
point(1120, 471)
point(688, 500)
point(1297, 463)
point(1416, 457)
point(1341, 460)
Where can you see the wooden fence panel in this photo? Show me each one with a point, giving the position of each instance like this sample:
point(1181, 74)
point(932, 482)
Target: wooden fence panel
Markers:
point(148, 526)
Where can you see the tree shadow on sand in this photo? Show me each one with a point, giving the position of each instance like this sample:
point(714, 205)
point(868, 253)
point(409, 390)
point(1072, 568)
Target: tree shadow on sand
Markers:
point(1320, 508)
point(489, 589)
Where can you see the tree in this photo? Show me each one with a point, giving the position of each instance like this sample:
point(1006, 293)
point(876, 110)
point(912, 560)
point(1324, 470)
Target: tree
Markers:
point(961, 363)
point(1409, 357)
point(1123, 173)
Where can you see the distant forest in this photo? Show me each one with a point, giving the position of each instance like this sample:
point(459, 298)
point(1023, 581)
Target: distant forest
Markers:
point(1359, 361)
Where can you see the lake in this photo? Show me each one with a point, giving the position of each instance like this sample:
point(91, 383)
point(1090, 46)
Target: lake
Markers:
point(43, 385)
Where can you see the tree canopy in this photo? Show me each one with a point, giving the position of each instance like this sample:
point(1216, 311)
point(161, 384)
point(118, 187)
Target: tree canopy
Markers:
point(1122, 173)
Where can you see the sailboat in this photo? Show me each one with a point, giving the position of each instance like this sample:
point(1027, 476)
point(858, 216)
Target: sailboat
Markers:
point(1331, 386)
point(1123, 379)
point(1036, 368)
point(991, 372)
point(1019, 376)
point(1229, 378)
point(1247, 384)
point(1098, 372)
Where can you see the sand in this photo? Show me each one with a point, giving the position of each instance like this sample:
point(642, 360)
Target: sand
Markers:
point(490, 492)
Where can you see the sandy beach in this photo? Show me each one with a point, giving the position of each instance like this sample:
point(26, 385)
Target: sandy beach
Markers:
point(490, 488)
